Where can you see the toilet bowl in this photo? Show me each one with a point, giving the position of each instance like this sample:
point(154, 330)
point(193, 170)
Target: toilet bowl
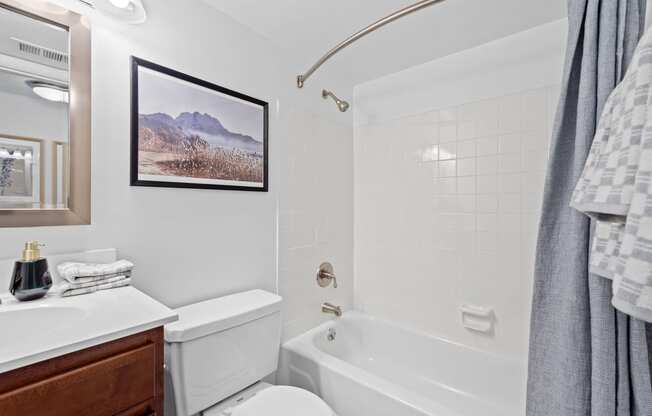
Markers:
point(268, 400)
point(218, 352)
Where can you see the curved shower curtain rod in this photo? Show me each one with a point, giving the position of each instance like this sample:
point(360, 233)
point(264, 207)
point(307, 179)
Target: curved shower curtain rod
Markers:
point(301, 79)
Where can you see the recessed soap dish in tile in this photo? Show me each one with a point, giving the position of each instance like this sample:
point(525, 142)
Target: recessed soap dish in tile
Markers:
point(478, 318)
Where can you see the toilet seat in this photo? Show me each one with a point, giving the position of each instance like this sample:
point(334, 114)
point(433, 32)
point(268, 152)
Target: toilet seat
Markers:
point(283, 401)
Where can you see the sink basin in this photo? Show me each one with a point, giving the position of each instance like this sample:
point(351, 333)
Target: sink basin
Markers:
point(27, 323)
point(53, 326)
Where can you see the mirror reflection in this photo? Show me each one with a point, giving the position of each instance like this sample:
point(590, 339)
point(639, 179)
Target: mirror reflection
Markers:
point(34, 76)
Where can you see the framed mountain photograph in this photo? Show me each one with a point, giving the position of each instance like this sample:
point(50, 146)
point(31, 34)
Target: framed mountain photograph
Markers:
point(189, 133)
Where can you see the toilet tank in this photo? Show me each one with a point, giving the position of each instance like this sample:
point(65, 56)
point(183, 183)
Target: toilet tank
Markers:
point(220, 346)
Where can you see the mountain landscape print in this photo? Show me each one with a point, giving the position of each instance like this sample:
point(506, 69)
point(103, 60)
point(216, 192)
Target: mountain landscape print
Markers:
point(190, 133)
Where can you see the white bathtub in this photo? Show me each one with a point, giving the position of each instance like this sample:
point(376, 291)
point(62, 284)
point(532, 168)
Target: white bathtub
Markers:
point(377, 368)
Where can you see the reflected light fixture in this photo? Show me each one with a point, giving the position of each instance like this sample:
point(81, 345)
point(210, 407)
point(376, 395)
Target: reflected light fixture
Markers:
point(48, 7)
point(50, 92)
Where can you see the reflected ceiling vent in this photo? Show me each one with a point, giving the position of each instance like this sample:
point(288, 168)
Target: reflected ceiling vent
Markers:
point(41, 54)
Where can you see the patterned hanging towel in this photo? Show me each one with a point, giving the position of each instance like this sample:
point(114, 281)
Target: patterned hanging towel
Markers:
point(615, 188)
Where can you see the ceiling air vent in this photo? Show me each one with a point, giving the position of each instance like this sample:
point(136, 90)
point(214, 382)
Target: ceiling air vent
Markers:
point(41, 53)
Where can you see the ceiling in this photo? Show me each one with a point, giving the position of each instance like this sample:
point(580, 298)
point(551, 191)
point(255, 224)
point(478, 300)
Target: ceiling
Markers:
point(309, 28)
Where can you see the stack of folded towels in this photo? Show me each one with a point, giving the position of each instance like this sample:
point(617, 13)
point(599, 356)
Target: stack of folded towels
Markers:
point(83, 278)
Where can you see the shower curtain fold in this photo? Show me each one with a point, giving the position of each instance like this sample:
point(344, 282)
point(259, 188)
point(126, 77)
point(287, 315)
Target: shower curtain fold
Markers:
point(585, 357)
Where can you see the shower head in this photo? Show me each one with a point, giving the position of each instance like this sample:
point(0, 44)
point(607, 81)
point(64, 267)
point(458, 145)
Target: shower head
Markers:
point(341, 104)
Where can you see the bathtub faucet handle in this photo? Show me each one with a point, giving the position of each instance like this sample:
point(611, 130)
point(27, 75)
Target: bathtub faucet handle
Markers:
point(332, 277)
point(326, 274)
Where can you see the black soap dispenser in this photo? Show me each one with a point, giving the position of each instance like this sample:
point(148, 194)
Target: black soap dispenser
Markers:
point(31, 278)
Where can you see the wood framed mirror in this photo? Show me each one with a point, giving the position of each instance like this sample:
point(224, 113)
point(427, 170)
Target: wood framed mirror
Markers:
point(45, 115)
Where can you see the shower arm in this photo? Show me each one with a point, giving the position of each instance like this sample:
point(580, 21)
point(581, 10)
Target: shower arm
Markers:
point(301, 79)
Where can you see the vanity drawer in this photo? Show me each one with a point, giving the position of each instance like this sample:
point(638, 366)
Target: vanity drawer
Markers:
point(106, 387)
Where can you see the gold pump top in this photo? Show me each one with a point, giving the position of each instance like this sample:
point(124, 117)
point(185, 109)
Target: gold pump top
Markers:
point(32, 251)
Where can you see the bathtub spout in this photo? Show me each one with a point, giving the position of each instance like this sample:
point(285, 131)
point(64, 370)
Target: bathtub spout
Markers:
point(330, 308)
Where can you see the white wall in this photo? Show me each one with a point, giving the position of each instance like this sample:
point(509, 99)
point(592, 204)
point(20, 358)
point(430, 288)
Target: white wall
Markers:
point(449, 167)
point(191, 245)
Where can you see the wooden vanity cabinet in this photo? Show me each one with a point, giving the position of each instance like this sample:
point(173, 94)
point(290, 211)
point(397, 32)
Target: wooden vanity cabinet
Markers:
point(120, 378)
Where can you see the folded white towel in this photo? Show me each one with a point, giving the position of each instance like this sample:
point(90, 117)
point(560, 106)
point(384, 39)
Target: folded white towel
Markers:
point(65, 285)
point(92, 279)
point(615, 188)
point(76, 272)
point(66, 289)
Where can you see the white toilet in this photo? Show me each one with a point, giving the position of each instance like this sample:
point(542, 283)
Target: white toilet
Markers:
point(218, 352)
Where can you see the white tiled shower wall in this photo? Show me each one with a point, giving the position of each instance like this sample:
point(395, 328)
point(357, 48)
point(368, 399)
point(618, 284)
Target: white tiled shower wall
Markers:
point(452, 197)
point(316, 218)
point(447, 197)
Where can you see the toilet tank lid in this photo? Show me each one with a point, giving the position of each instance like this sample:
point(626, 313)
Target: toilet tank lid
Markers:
point(215, 315)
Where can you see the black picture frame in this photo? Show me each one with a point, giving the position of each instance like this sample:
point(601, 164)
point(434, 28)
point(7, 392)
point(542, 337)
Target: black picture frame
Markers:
point(136, 63)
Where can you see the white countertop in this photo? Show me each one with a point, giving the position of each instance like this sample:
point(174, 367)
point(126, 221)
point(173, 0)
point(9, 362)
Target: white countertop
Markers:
point(42, 329)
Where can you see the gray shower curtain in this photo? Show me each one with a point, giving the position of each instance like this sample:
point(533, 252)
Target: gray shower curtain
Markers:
point(586, 359)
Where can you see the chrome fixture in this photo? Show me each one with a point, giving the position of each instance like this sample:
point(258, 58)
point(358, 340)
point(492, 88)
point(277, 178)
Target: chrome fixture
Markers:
point(331, 334)
point(330, 308)
point(326, 274)
point(301, 79)
point(341, 104)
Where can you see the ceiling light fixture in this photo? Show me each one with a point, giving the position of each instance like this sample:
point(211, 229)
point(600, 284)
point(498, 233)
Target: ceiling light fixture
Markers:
point(50, 92)
point(120, 4)
point(128, 11)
